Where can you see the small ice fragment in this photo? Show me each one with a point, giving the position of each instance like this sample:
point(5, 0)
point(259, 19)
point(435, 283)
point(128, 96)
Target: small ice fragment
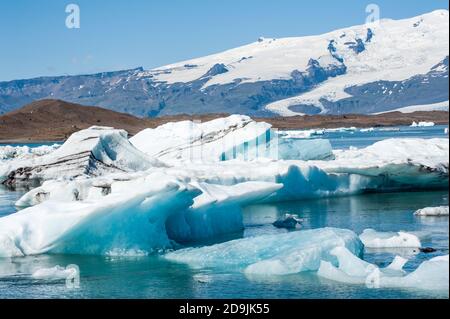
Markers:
point(433, 211)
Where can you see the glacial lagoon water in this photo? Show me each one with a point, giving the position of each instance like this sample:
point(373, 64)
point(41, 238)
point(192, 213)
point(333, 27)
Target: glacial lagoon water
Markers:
point(155, 277)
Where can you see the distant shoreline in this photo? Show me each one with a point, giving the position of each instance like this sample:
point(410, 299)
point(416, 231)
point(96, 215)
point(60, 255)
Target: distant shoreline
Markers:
point(53, 121)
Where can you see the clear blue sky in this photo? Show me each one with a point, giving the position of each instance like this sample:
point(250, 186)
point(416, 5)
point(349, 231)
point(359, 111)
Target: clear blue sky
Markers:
point(119, 34)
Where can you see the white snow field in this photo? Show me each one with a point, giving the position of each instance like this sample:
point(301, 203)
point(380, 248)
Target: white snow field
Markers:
point(424, 43)
point(433, 211)
point(122, 198)
point(432, 274)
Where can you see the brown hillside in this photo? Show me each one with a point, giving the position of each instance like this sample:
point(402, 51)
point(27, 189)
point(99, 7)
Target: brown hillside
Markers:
point(55, 120)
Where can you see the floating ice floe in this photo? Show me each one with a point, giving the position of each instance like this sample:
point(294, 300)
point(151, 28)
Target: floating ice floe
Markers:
point(431, 275)
point(395, 164)
point(301, 134)
point(422, 124)
point(433, 211)
point(92, 152)
point(101, 194)
point(367, 130)
point(25, 152)
point(55, 273)
point(279, 254)
point(374, 239)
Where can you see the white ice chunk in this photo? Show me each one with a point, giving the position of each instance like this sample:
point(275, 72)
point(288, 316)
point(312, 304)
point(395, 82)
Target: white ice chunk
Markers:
point(25, 152)
point(433, 211)
point(373, 239)
point(422, 124)
point(54, 273)
point(431, 274)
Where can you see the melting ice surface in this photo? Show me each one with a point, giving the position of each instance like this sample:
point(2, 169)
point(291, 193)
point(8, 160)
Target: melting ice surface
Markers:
point(124, 212)
point(284, 254)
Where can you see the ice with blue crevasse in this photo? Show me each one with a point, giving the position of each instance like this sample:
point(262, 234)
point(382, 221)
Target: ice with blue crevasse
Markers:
point(101, 193)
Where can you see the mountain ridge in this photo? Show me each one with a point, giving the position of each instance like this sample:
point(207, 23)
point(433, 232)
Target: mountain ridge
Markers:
point(363, 69)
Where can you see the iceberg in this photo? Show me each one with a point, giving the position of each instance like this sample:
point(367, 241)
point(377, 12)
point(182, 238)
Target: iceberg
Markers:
point(205, 142)
point(217, 211)
point(396, 164)
point(367, 130)
point(279, 254)
point(432, 211)
point(304, 150)
point(25, 152)
point(235, 137)
point(422, 124)
point(54, 273)
point(401, 163)
point(301, 134)
point(374, 239)
point(131, 217)
point(143, 214)
point(354, 270)
point(432, 274)
point(92, 152)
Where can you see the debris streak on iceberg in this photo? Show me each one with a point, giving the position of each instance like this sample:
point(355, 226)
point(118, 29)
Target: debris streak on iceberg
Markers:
point(272, 254)
point(92, 152)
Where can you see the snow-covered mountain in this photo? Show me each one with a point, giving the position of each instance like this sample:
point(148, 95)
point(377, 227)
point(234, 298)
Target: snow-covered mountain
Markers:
point(371, 68)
